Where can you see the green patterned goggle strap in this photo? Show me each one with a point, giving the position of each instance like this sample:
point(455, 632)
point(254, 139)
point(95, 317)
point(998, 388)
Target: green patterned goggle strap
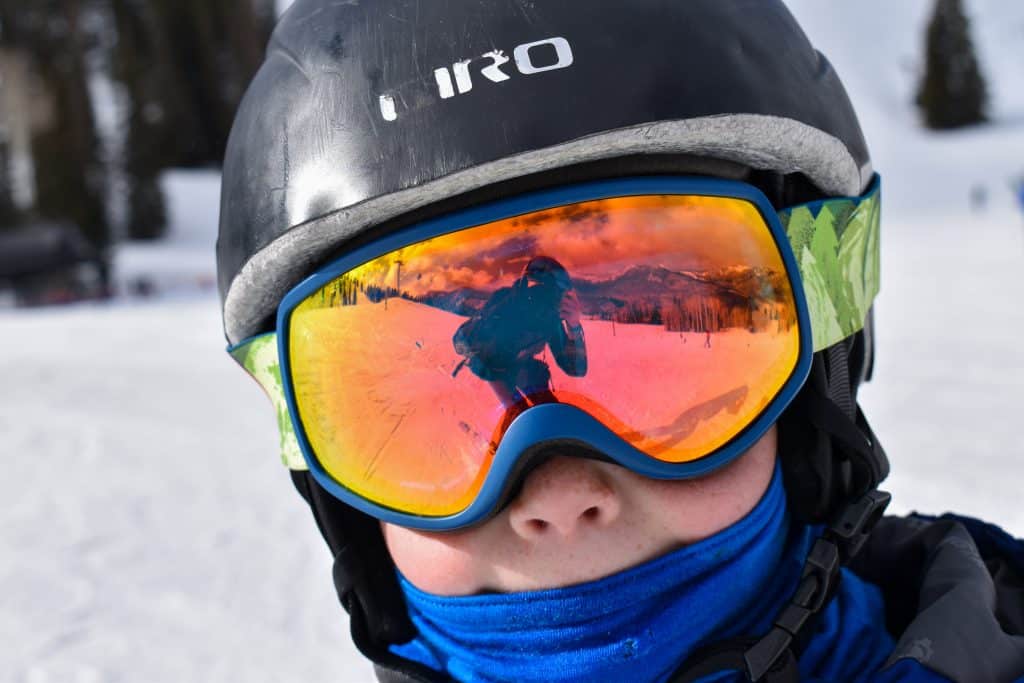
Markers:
point(836, 244)
point(258, 356)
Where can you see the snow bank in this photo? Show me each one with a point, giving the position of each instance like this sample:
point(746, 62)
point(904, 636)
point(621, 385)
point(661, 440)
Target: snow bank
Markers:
point(183, 262)
point(149, 530)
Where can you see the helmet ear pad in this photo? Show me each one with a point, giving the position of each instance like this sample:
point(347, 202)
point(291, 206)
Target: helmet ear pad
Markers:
point(821, 471)
point(808, 465)
point(364, 574)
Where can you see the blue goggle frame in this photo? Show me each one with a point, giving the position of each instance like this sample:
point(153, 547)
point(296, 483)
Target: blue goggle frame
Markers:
point(552, 423)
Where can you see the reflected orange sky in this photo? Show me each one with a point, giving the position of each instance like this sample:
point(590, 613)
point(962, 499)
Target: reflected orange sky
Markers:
point(595, 240)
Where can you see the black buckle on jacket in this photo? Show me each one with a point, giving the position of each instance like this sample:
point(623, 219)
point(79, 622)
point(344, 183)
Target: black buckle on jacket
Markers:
point(855, 522)
point(819, 580)
point(771, 659)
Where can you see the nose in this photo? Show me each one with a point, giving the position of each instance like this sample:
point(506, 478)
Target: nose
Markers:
point(563, 497)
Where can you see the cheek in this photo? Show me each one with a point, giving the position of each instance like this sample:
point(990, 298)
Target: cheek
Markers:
point(691, 511)
point(442, 564)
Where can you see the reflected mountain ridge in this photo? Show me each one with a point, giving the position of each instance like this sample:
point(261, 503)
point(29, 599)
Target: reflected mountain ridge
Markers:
point(731, 286)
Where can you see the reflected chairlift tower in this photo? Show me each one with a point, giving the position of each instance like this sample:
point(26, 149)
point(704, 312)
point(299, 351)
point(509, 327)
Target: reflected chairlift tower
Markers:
point(398, 278)
point(398, 284)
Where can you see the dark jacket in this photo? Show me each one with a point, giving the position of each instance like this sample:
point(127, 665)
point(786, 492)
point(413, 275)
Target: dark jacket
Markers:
point(954, 595)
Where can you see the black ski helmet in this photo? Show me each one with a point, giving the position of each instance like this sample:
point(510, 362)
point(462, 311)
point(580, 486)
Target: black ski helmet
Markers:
point(368, 113)
point(367, 116)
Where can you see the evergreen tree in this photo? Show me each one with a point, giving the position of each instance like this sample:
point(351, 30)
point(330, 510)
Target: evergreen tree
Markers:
point(953, 92)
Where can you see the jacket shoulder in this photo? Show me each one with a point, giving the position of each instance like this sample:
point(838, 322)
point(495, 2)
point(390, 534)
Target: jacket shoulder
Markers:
point(954, 594)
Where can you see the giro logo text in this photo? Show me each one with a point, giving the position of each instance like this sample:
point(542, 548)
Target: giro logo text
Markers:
point(529, 59)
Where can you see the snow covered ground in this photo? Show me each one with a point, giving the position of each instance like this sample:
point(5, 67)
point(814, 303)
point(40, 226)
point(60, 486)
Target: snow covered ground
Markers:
point(184, 261)
point(149, 532)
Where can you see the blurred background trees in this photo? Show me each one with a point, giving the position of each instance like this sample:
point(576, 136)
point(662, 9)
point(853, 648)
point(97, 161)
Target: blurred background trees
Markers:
point(952, 92)
point(184, 65)
point(98, 97)
point(51, 138)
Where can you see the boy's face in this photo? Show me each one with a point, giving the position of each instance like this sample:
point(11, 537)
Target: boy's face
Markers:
point(578, 520)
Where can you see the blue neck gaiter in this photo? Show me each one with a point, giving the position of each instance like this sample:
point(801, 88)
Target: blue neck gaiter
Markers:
point(636, 625)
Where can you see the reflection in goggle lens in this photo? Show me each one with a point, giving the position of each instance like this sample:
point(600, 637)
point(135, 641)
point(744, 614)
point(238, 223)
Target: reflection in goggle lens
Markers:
point(668, 318)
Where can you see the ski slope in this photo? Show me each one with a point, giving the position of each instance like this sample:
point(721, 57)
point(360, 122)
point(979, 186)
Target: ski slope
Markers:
point(149, 532)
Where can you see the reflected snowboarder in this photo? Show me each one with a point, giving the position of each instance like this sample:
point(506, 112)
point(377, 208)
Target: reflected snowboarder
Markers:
point(501, 342)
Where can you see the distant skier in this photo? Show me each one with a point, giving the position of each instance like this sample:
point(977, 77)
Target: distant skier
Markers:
point(500, 342)
point(707, 339)
point(978, 198)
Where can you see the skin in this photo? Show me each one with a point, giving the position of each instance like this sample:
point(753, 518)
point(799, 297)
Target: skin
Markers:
point(578, 520)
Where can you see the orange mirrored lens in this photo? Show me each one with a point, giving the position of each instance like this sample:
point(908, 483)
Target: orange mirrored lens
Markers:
point(669, 318)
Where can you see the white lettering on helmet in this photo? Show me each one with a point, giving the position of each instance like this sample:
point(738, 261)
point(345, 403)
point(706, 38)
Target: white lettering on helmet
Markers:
point(493, 70)
point(387, 108)
point(525, 56)
point(526, 65)
point(463, 81)
point(444, 83)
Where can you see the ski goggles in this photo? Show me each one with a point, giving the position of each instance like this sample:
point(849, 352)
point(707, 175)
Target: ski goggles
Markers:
point(660, 323)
